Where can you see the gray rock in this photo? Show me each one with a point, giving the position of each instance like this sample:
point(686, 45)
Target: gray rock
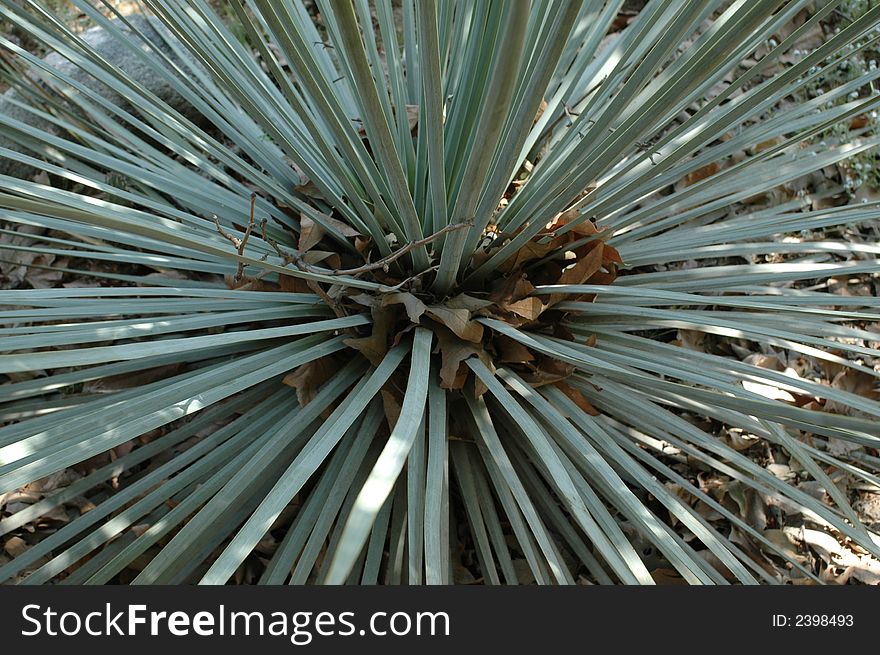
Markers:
point(107, 46)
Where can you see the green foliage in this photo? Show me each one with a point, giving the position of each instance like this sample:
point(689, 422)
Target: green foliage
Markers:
point(862, 168)
point(437, 291)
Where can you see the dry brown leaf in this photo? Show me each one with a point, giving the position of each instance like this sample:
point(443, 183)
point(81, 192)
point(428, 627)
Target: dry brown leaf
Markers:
point(375, 346)
point(391, 403)
point(787, 543)
point(122, 449)
point(463, 301)
point(15, 546)
point(772, 362)
point(667, 577)
point(511, 289)
point(610, 255)
point(549, 371)
point(21, 266)
point(530, 251)
point(362, 244)
point(83, 504)
point(140, 529)
point(692, 340)
point(309, 189)
point(581, 271)
point(865, 567)
point(453, 353)
point(457, 320)
point(412, 116)
point(291, 284)
point(528, 308)
point(768, 391)
point(512, 351)
point(582, 229)
point(858, 122)
point(332, 224)
point(766, 145)
point(55, 515)
point(541, 109)
point(585, 266)
point(413, 306)
point(577, 397)
point(364, 299)
point(750, 505)
point(310, 233)
point(857, 382)
point(131, 380)
point(701, 174)
point(308, 378)
point(602, 277)
point(330, 259)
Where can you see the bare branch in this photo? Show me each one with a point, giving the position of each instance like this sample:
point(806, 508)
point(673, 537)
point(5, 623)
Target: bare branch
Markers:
point(239, 244)
point(397, 254)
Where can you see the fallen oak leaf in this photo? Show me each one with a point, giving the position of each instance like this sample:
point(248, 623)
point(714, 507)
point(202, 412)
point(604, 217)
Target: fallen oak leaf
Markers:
point(858, 122)
point(581, 228)
point(310, 233)
point(291, 284)
point(457, 320)
point(602, 278)
point(453, 353)
point(854, 382)
point(530, 251)
point(306, 379)
point(701, 174)
point(582, 270)
point(562, 332)
point(529, 308)
point(610, 255)
point(512, 351)
point(549, 371)
point(667, 577)
point(309, 188)
point(512, 289)
point(400, 335)
point(412, 116)
point(464, 301)
point(330, 259)
point(589, 261)
point(364, 299)
point(140, 529)
point(375, 346)
point(414, 307)
point(328, 223)
point(362, 244)
point(391, 403)
point(541, 109)
point(15, 546)
point(577, 397)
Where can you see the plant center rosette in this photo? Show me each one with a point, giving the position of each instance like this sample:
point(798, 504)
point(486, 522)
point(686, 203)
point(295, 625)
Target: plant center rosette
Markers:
point(490, 320)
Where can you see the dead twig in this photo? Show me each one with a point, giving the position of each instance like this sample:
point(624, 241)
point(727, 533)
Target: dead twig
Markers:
point(397, 254)
point(239, 244)
point(414, 277)
point(296, 260)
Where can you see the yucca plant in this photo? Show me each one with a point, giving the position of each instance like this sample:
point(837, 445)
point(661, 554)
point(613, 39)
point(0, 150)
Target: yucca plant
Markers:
point(408, 292)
